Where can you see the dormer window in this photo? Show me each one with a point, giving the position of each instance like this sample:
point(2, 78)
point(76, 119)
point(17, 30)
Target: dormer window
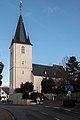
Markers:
point(45, 72)
point(54, 73)
point(23, 50)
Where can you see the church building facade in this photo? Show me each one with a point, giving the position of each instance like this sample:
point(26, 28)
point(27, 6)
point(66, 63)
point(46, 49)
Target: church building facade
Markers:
point(21, 67)
point(20, 57)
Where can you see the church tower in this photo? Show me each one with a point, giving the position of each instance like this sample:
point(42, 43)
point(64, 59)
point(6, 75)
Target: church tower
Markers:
point(20, 56)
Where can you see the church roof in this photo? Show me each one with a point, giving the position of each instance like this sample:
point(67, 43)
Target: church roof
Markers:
point(20, 34)
point(49, 71)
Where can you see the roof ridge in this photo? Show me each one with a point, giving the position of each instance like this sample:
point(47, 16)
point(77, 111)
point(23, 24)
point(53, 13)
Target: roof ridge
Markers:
point(42, 65)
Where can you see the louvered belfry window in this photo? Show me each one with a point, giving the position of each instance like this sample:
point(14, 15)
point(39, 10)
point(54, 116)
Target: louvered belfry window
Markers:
point(23, 50)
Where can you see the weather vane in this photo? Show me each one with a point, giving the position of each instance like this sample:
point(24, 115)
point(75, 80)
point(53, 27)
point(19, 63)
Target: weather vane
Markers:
point(20, 6)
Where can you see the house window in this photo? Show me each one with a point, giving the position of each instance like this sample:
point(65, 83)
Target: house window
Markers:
point(2, 92)
point(23, 50)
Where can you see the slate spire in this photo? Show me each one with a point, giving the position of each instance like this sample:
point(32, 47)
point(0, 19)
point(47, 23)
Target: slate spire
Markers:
point(20, 34)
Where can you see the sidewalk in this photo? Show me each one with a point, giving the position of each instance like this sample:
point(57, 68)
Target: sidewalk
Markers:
point(5, 115)
point(76, 108)
point(60, 103)
point(53, 103)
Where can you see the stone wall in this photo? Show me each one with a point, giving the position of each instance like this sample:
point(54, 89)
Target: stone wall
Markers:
point(17, 99)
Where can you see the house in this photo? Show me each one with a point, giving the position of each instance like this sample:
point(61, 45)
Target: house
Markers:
point(4, 93)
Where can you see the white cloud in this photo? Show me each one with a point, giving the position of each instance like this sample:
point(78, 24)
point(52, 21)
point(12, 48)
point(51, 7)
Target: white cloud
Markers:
point(56, 8)
point(51, 10)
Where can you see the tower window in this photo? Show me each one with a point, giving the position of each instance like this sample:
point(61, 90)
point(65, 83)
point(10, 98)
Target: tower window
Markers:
point(23, 50)
point(22, 62)
point(22, 72)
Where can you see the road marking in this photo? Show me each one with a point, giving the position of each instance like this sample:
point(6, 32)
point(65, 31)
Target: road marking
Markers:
point(43, 113)
point(56, 107)
point(40, 112)
point(47, 106)
point(67, 109)
point(33, 109)
point(33, 103)
point(56, 118)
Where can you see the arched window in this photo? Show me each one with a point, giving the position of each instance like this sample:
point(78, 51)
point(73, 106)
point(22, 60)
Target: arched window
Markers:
point(23, 50)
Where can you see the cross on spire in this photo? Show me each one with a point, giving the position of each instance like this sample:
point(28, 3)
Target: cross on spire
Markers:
point(20, 7)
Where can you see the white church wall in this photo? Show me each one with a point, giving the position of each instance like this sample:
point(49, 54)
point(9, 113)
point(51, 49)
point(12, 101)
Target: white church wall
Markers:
point(20, 65)
point(12, 68)
point(23, 64)
point(37, 83)
point(23, 59)
point(23, 76)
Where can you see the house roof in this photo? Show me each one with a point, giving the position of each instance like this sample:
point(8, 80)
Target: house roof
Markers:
point(49, 71)
point(6, 89)
point(20, 34)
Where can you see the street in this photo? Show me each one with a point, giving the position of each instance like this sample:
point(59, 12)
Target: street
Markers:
point(41, 112)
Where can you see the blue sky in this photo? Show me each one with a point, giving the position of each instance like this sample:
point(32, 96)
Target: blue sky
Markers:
point(53, 26)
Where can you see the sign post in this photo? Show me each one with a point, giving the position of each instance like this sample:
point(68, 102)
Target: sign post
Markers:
point(69, 89)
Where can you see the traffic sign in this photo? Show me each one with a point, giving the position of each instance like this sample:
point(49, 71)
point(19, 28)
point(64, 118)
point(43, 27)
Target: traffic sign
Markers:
point(69, 88)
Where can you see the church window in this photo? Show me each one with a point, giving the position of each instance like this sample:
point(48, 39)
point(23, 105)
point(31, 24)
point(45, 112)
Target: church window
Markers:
point(22, 72)
point(22, 62)
point(23, 50)
point(45, 72)
point(54, 73)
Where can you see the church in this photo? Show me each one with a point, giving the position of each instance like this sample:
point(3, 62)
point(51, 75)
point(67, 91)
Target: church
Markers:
point(21, 67)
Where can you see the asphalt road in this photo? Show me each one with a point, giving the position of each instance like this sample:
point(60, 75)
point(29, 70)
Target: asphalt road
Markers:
point(41, 112)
